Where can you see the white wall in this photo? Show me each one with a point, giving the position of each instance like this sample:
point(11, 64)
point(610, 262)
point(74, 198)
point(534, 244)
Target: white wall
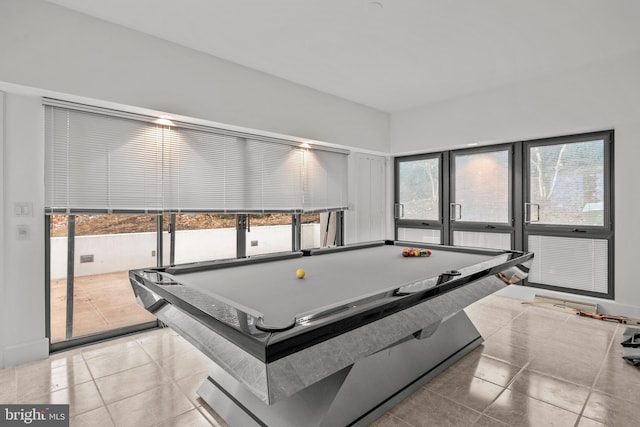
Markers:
point(46, 46)
point(23, 303)
point(597, 97)
point(122, 252)
point(3, 321)
point(46, 50)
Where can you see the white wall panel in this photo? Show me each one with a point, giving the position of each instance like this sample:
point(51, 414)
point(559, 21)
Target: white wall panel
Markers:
point(23, 305)
point(368, 197)
point(50, 47)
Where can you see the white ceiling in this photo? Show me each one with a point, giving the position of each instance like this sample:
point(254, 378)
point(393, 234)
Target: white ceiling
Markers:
point(390, 55)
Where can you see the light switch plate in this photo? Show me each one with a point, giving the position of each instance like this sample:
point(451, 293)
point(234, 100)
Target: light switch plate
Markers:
point(23, 209)
point(23, 232)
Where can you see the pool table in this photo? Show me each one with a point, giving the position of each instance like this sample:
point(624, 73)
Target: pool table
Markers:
point(363, 328)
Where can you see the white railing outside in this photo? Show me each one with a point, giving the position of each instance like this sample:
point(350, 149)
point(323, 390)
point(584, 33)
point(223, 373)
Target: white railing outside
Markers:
point(122, 252)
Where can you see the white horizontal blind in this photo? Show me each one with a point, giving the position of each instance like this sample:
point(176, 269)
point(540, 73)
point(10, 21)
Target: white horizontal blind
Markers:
point(101, 162)
point(214, 172)
point(196, 173)
point(570, 262)
point(274, 172)
point(419, 235)
point(482, 240)
point(325, 183)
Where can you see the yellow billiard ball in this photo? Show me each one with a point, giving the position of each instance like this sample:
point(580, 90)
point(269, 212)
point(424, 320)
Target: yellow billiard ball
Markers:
point(300, 273)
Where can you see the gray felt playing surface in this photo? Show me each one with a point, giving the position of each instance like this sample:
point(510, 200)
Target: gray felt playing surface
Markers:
point(273, 290)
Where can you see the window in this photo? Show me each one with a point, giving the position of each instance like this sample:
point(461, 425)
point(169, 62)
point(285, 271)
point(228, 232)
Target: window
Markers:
point(481, 186)
point(202, 237)
point(419, 189)
point(567, 183)
point(418, 208)
point(568, 213)
point(552, 196)
point(480, 209)
point(268, 233)
point(90, 292)
point(145, 187)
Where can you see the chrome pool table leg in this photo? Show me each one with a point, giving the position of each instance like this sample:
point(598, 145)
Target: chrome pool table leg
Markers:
point(353, 396)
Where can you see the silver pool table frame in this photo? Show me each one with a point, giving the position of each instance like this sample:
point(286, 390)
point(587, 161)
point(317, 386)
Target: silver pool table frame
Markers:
point(344, 364)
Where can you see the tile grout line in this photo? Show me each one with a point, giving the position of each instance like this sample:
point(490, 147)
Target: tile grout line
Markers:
point(397, 418)
point(93, 379)
point(577, 422)
point(450, 400)
point(522, 369)
point(480, 413)
point(175, 384)
point(600, 369)
point(527, 364)
point(505, 387)
point(153, 361)
point(580, 414)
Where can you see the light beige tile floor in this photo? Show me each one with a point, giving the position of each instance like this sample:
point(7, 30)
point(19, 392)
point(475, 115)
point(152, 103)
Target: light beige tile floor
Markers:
point(537, 367)
point(101, 302)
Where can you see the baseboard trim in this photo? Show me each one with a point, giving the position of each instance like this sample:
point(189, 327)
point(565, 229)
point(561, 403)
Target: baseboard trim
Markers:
point(18, 354)
point(607, 306)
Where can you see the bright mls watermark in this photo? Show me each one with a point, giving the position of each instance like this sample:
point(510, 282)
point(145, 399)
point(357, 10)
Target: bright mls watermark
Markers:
point(34, 415)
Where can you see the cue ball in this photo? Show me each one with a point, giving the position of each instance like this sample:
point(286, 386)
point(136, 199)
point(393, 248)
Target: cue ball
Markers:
point(300, 273)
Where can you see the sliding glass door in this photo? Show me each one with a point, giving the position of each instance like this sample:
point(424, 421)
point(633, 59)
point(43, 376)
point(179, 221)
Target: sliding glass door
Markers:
point(89, 260)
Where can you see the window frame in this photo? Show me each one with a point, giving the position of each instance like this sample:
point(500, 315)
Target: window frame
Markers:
point(520, 193)
point(485, 226)
point(594, 232)
point(320, 178)
point(443, 199)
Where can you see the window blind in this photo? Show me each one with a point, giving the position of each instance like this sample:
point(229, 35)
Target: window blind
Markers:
point(196, 177)
point(325, 181)
point(564, 262)
point(274, 174)
point(99, 161)
point(212, 172)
